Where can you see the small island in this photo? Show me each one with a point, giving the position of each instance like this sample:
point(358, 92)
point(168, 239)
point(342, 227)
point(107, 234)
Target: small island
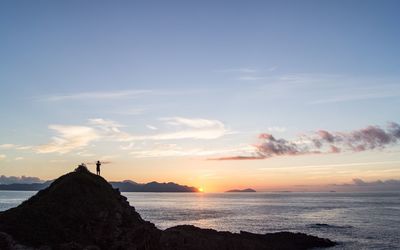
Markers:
point(247, 190)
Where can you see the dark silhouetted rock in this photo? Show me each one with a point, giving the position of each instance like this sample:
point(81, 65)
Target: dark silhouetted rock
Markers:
point(83, 211)
point(188, 237)
point(79, 208)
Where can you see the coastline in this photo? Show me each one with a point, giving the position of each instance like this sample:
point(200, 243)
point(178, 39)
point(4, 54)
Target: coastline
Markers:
point(104, 222)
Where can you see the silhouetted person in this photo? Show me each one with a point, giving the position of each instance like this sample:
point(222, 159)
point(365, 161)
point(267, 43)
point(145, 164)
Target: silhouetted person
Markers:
point(98, 164)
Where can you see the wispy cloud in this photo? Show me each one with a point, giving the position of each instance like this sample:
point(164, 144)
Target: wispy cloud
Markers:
point(14, 146)
point(127, 147)
point(195, 128)
point(185, 134)
point(97, 95)
point(185, 128)
point(192, 122)
point(322, 141)
point(104, 123)
point(356, 97)
point(292, 79)
point(110, 130)
point(151, 127)
point(70, 138)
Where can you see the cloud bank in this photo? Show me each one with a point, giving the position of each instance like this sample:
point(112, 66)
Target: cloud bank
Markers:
point(19, 179)
point(361, 185)
point(322, 141)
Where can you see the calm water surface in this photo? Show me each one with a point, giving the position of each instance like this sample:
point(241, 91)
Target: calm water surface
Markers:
point(355, 220)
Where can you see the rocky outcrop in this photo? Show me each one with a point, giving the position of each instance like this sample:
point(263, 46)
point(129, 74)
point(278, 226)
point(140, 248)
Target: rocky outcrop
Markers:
point(81, 210)
point(188, 237)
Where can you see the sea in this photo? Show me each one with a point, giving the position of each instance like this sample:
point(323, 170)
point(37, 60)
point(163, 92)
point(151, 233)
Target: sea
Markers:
point(354, 220)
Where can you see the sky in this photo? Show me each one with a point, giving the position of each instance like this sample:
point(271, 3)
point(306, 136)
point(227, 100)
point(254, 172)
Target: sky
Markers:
point(272, 95)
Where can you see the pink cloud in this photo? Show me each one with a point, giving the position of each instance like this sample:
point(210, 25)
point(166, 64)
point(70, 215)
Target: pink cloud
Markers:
point(322, 141)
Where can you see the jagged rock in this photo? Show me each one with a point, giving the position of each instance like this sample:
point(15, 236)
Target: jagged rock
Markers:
point(82, 211)
point(79, 208)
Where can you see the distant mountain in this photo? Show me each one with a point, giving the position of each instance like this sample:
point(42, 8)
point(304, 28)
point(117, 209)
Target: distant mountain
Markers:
point(123, 186)
point(130, 186)
point(25, 186)
point(247, 190)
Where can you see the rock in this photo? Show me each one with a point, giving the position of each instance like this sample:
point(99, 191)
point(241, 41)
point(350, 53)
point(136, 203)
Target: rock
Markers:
point(8, 243)
point(247, 190)
point(188, 237)
point(79, 209)
point(83, 211)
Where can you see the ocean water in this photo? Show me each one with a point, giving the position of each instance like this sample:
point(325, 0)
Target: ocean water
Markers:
point(355, 220)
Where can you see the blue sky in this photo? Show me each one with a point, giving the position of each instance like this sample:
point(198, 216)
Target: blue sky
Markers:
point(184, 79)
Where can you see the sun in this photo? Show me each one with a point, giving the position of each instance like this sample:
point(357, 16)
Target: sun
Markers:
point(201, 189)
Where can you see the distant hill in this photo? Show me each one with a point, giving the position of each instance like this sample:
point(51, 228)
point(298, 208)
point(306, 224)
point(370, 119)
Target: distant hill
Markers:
point(124, 186)
point(130, 186)
point(25, 186)
point(247, 190)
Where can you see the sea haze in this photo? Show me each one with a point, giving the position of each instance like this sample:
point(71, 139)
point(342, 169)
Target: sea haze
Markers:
point(355, 220)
